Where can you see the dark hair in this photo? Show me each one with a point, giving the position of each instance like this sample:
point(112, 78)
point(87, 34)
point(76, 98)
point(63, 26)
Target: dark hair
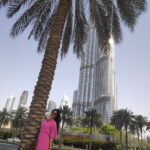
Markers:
point(57, 118)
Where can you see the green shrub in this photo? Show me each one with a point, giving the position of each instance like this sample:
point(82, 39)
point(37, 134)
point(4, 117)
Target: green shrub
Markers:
point(68, 142)
point(1, 135)
point(118, 147)
point(80, 143)
point(5, 134)
point(109, 145)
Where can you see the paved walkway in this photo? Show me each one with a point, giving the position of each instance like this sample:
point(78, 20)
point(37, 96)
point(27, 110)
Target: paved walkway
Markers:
point(5, 146)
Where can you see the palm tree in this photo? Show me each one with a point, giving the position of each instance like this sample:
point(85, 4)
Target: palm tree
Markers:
point(4, 117)
point(122, 119)
point(19, 120)
point(128, 117)
point(52, 28)
point(133, 131)
point(78, 121)
point(148, 126)
point(66, 119)
point(141, 122)
point(92, 119)
point(118, 121)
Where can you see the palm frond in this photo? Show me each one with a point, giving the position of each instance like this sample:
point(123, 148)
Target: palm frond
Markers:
point(67, 34)
point(25, 19)
point(80, 28)
point(45, 34)
point(140, 6)
point(116, 27)
point(5, 2)
point(41, 20)
point(130, 11)
point(100, 16)
point(15, 6)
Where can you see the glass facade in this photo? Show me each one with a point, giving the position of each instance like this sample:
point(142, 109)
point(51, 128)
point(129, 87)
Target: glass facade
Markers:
point(97, 86)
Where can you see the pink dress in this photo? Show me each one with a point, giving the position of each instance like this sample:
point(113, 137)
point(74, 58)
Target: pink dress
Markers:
point(48, 131)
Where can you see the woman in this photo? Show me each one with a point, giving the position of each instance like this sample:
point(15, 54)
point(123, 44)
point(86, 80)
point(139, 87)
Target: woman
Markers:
point(48, 131)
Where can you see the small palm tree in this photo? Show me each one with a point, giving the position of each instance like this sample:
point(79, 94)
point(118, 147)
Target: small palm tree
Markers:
point(78, 121)
point(66, 119)
point(122, 119)
point(141, 122)
point(92, 119)
point(4, 117)
point(133, 130)
point(128, 117)
point(52, 28)
point(118, 121)
point(20, 119)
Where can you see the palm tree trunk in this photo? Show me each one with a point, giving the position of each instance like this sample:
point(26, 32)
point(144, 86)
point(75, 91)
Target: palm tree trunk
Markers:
point(1, 124)
point(115, 135)
point(139, 142)
point(121, 139)
point(133, 141)
point(60, 138)
point(141, 139)
point(41, 92)
point(90, 146)
point(126, 139)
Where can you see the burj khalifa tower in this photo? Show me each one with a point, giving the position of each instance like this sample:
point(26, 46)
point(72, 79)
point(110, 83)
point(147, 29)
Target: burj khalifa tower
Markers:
point(97, 85)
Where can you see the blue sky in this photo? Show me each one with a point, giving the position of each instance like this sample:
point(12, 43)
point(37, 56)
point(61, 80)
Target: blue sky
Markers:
point(20, 64)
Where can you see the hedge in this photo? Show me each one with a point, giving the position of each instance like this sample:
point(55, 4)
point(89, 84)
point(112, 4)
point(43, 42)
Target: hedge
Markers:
point(80, 143)
point(5, 134)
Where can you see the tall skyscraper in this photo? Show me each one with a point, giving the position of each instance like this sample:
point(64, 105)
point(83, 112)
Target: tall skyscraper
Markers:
point(9, 103)
point(75, 103)
point(97, 86)
point(23, 99)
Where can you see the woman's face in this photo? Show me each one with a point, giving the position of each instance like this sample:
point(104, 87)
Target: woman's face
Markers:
point(53, 114)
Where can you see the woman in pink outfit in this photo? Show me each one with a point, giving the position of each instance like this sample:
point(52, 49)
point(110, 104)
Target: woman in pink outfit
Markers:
point(48, 131)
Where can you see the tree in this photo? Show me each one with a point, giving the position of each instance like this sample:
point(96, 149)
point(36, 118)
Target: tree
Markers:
point(66, 119)
point(108, 129)
point(148, 126)
point(118, 121)
point(52, 28)
point(133, 131)
point(20, 118)
point(78, 121)
point(92, 119)
point(141, 122)
point(121, 119)
point(4, 117)
point(128, 117)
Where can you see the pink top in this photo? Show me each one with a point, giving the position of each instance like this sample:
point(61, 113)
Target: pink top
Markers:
point(48, 131)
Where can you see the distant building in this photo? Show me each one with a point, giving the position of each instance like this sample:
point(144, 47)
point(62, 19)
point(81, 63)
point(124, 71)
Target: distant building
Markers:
point(23, 99)
point(75, 103)
point(9, 103)
point(51, 106)
point(65, 101)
